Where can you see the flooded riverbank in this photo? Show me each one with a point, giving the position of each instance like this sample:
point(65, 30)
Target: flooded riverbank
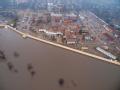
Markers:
point(50, 64)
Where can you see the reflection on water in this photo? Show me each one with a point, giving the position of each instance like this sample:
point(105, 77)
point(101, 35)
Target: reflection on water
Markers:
point(33, 65)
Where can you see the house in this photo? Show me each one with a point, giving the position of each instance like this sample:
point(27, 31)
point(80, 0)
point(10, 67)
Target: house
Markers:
point(56, 17)
point(71, 41)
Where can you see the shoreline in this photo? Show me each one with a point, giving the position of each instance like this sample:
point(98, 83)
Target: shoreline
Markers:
point(26, 35)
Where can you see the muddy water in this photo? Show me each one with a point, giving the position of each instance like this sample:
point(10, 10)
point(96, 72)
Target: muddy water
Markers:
point(51, 64)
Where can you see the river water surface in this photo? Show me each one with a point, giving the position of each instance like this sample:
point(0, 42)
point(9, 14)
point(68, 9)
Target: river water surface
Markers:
point(50, 64)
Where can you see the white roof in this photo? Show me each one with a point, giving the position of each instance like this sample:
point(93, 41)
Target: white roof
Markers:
point(81, 17)
point(54, 14)
point(71, 15)
point(50, 33)
point(106, 53)
point(50, 4)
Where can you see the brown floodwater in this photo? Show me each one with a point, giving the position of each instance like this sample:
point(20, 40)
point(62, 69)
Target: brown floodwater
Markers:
point(40, 66)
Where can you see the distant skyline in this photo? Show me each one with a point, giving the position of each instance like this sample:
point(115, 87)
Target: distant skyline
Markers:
point(21, 1)
point(92, 1)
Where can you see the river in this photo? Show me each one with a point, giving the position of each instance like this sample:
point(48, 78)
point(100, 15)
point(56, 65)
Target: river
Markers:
point(51, 63)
